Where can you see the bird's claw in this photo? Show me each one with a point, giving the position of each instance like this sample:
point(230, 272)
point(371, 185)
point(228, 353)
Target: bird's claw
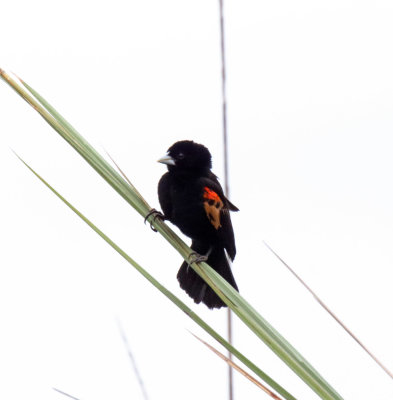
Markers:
point(157, 214)
point(195, 257)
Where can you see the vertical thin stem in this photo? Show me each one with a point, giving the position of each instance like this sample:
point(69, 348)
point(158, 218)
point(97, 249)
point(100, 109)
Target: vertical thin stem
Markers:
point(226, 179)
point(230, 370)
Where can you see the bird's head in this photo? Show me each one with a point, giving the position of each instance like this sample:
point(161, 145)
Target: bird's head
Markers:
point(187, 155)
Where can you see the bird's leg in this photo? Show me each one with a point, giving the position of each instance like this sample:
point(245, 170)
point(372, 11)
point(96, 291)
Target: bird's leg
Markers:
point(195, 257)
point(157, 214)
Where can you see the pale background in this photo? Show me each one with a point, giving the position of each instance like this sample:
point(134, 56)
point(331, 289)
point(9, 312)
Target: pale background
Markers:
point(310, 100)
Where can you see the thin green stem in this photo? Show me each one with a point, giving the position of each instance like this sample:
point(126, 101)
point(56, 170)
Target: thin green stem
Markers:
point(169, 294)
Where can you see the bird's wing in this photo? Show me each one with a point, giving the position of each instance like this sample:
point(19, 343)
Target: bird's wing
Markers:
point(217, 208)
point(212, 177)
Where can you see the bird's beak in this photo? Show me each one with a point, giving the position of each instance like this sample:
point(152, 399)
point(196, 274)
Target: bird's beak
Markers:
point(167, 159)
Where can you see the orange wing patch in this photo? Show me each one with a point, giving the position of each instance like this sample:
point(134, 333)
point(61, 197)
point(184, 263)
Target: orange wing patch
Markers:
point(213, 206)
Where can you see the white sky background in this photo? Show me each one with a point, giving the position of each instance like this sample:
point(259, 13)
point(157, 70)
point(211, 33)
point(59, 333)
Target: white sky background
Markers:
point(310, 99)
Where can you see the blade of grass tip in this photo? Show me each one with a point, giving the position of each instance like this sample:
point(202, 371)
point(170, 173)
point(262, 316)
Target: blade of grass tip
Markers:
point(132, 360)
point(170, 295)
point(237, 368)
point(69, 134)
point(327, 309)
point(65, 394)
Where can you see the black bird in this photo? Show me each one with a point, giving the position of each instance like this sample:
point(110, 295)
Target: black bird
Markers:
point(192, 199)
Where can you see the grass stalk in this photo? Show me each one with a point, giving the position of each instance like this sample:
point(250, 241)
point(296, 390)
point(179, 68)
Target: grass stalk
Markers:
point(233, 299)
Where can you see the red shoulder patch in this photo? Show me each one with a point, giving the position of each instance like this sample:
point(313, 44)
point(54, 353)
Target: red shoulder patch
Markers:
point(213, 206)
point(210, 194)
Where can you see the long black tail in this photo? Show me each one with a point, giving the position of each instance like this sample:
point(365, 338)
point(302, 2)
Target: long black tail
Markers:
point(195, 286)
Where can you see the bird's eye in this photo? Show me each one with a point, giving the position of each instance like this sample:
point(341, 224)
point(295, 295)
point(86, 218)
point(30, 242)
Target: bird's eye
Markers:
point(180, 156)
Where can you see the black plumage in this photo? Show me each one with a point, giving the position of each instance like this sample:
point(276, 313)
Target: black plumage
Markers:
point(192, 199)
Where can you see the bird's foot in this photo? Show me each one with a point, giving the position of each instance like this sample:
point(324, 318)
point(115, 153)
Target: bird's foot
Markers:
point(195, 257)
point(157, 214)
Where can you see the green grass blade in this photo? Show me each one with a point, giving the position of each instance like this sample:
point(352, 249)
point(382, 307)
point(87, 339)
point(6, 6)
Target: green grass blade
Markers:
point(236, 302)
point(170, 295)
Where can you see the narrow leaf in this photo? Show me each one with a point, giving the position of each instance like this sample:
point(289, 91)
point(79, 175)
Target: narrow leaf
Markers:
point(239, 369)
point(225, 291)
point(169, 294)
point(331, 313)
